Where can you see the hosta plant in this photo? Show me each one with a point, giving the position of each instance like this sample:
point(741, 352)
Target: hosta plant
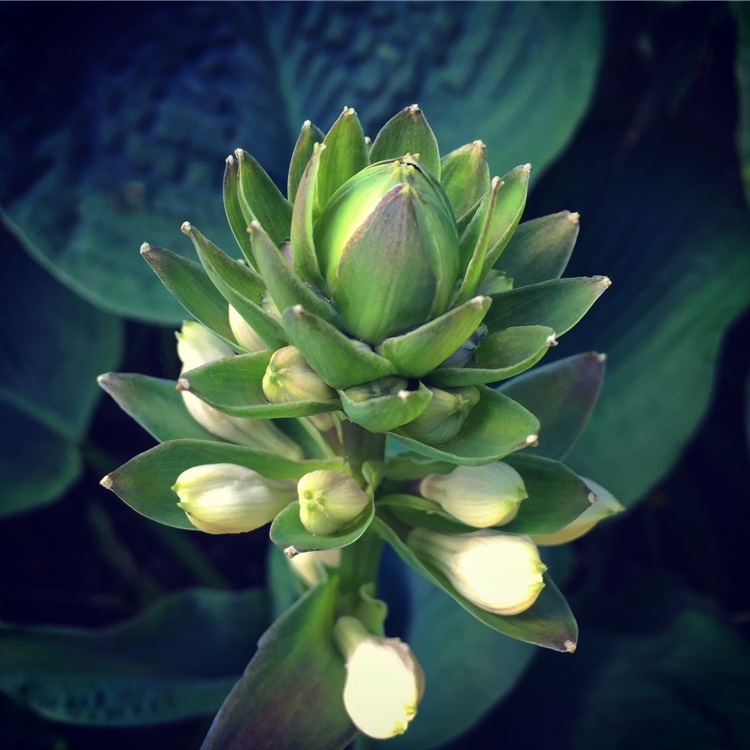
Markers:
point(357, 378)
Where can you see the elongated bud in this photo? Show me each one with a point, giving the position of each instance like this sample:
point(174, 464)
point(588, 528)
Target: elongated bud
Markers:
point(246, 336)
point(290, 378)
point(384, 682)
point(497, 571)
point(309, 566)
point(230, 499)
point(604, 506)
point(197, 345)
point(329, 502)
point(479, 496)
point(444, 416)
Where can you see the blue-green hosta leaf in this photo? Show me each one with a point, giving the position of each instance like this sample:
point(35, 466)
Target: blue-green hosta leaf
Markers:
point(291, 692)
point(177, 659)
point(145, 482)
point(234, 385)
point(95, 192)
point(495, 427)
point(562, 396)
point(287, 531)
point(51, 345)
point(500, 356)
point(548, 622)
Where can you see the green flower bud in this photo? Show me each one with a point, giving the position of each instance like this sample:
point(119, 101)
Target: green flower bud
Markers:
point(290, 378)
point(329, 502)
point(384, 682)
point(230, 499)
point(444, 416)
point(388, 249)
point(479, 496)
point(309, 566)
point(496, 571)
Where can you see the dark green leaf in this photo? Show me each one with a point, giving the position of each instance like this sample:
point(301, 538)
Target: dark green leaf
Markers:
point(303, 150)
point(465, 177)
point(381, 413)
point(232, 209)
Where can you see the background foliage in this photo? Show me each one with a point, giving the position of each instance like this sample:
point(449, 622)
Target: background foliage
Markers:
point(634, 115)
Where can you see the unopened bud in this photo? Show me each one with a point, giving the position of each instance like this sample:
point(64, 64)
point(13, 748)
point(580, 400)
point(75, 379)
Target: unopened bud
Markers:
point(197, 345)
point(329, 501)
point(444, 416)
point(384, 682)
point(230, 499)
point(289, 378)
point(479, 496)
point(309, 565)
point(246, 336)
point(496, 571)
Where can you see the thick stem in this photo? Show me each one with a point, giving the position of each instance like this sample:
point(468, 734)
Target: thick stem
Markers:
point(361, 445)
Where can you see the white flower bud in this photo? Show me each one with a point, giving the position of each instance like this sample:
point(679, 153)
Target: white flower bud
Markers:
point(197, 345)
point(246, 336)
point(307, 565)
point(497, 571)
point(605, 505)
point(384, 682)
point(478, 496)
point(290, 378)
point(229, 499)
point(329, 501)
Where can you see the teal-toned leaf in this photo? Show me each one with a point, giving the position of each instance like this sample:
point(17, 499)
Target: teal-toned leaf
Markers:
point(384, 411)
point(415, 353)
point(145, 482)
point(191, 287)
point(344, 155)
point(234, 385)
point(500, 356)
point(284, 587)
point(303, 151)
point(562, 396)
point(260, 200)
point(233, 210)
point(548, 622)
point(558, 304)
point(340, 361)
point(240, 286)
point(288, 532)
point(177, 659)
point(495, 427)
point(297, 651)
point(155, 404)
point(465, 177)
point(540, 249)
point(408, 132)
point(51, 346)
point(557, 496)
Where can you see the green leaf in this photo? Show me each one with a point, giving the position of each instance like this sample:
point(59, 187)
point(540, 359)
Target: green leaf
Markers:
point(540, 249)
point(234, 385)
point(415, 353)
point(384, 412)
point(562, 396)
point(500, 356)
point(190, 285)
point(465, 177)
point(233, 210)
point(558, 304)
point(177, 659)
point(413, 466)
point(52, 346)
point(495, 427)
point(287, 531)
point(339, 361)
point(297, 650)
point(548, 622)
point(155, 404)
point(145, 482)
point(408, 132)
point(303, 151)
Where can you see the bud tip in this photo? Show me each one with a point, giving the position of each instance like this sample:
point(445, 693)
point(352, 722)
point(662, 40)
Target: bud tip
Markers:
point(601, 357)
point(186, 227)
point(106, 482)
point(569, 646)
point(298, 311)
point(532, 440)
point(574, 217)
point(526, 168)
point(413, 108)
point(403, 395)
point(592, 497)
point(229, 160)
point(183, 384)
point(145, 248)
point(291, 551)
point(551, 340)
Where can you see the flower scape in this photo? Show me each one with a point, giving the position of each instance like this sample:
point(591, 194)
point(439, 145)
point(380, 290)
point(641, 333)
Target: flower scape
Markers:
point(358, 378)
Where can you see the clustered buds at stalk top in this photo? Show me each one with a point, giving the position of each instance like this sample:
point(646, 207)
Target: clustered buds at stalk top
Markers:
point(290, 378)
point(388, 249)
point(384, 682)
point(604, 506)
point(444, 416)
point(230, 499)
point(497, 571)
point(308, 565)
point(197, 346)
point(478, 496)
point(329, 501)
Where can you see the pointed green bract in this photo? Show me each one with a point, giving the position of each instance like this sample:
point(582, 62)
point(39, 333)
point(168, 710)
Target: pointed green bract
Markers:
point(234, 386)
point(192, 288)
point(408, 466)
point(408, 132)
point(385, 404)
point(233, 209)
point(416, 353)
point(261, 200)
point(558, 304)
point(465, 177)
point(303, 150)
point(340, 361)
point(540, 249)
point(345, 155)
point(500, 356)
